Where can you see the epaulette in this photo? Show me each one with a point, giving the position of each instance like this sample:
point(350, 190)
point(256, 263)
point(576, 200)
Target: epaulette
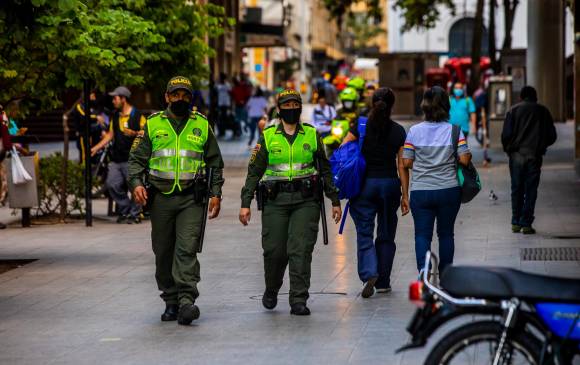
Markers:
point(195, 113)
point(155, 114)
point(308, 125)
point(271, 126)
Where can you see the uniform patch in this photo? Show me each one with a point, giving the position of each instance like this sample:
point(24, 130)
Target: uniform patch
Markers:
point(197, 132)
point(306, 147)
point(255, 152)
point(136, 142)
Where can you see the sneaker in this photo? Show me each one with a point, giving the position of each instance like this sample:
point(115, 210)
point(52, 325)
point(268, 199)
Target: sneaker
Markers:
point(121, 219)
point(133, 220)
point(384, 290)
point(516, 228)
point(528, 230)
point(2, 225)
point(369, 288)
point(187, 314)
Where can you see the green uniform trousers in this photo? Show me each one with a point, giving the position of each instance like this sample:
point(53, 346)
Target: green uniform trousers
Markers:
point(176, 223)
point(289, 232)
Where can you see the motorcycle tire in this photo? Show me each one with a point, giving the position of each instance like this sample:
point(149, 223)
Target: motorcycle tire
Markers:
point(480, 332)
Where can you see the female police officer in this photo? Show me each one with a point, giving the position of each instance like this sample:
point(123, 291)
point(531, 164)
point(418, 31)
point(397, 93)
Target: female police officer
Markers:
point(283, 169)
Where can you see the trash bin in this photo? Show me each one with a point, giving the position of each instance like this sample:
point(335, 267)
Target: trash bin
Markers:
point(24, 196)
point(500, 100)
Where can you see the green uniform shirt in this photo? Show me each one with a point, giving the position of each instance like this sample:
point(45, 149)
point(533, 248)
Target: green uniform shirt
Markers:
point(141, 153)
point(259, 163)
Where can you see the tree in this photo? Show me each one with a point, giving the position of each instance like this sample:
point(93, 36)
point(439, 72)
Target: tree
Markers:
point(363, 29)
point(491, 40)
point(509, 12)
point(422, 14)
point(476, 48)
point(339, 8)
point(50, 46)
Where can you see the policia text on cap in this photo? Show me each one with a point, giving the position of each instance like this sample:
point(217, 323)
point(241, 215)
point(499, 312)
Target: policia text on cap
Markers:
point(283, 171)
point(173, 154)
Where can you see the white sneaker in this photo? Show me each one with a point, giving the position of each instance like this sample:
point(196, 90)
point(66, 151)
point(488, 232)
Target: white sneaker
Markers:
point(384, 290)
point(369, 288)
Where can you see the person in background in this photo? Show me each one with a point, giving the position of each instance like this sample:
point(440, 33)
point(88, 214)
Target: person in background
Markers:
point(528, 131)
point(127, 123)
point(5, 146)
point(322, 116)
point(435, 192)
point(77, 115)
point(241, 93)
point(385, 188)
point(224, 103)
point(256, 109)
point(462, 112)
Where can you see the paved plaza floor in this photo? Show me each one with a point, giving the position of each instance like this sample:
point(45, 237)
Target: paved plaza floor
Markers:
point(91, 297)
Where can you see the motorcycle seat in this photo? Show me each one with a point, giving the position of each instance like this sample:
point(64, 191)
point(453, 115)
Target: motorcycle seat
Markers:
point(505, 283)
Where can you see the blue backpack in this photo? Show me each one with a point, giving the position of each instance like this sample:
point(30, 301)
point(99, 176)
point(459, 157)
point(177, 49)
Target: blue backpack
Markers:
point(348, 167)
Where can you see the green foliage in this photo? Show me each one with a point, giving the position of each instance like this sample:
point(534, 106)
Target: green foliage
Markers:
point(339, 8)
point(49, 46)
point(422, 14)
point(49, 186)
point(363, 30)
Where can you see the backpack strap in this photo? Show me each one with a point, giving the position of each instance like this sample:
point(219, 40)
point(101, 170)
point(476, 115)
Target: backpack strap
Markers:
point(455, 139)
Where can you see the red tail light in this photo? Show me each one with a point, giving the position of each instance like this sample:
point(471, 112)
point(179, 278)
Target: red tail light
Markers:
point(416, 293)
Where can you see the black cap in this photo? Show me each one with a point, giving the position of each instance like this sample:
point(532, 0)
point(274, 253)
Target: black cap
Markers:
point(287, 95)
point(179, 83)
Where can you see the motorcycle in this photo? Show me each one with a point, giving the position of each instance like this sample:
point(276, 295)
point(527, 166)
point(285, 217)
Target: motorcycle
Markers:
point(517, 317)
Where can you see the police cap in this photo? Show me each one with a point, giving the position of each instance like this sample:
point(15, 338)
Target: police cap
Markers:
point(179, 83)
point(287, 95)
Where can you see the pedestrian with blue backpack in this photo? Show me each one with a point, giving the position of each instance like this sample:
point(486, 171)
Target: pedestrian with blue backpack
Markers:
point(384, 189)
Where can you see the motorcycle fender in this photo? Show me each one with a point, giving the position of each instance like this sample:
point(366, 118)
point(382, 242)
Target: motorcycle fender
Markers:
point(428, 319)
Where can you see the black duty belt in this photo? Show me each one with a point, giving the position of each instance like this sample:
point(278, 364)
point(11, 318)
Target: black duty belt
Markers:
point(290, 186)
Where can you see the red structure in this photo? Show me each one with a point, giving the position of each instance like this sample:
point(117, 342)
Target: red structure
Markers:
point(459, 67)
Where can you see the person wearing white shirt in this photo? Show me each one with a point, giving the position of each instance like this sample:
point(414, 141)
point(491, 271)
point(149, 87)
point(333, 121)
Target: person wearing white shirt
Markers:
point(322, 116)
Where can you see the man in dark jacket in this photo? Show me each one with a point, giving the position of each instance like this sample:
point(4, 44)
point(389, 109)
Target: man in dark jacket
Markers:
point(527, 132)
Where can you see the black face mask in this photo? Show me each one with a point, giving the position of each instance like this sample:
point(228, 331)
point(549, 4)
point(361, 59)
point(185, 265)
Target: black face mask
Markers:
point(180, 108)
point(290, 116)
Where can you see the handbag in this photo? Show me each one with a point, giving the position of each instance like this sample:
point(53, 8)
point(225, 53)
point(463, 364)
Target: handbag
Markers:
point(467, 176)
point(19, 173)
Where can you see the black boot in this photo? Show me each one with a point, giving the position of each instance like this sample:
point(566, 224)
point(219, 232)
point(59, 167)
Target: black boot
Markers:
point(187, 314)
point(170, 313)
point(270, 299)
point(299, 309)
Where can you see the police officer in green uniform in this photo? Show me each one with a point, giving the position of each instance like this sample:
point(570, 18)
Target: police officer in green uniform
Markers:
point(177, 147)
point(283, 168)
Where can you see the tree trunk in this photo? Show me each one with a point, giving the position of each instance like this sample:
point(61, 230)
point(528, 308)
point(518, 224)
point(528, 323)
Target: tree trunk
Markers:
point(63, 190)
point(491, 40)
point(476, 48)
point(509, 12)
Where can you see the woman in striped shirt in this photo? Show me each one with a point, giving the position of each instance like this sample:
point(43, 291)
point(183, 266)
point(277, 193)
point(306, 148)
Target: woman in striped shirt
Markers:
point(435, 191)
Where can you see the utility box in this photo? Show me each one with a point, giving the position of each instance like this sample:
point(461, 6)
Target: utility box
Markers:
point(26, 195)
point(405, 74)
point(500, 100)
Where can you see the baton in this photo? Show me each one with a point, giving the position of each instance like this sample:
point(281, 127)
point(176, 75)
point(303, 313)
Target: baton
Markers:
point(209, 176)
point(322, 206)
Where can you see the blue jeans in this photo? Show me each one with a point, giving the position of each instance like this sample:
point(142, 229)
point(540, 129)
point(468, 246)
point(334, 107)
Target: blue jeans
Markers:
point(426, 206)
point(379, 199)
